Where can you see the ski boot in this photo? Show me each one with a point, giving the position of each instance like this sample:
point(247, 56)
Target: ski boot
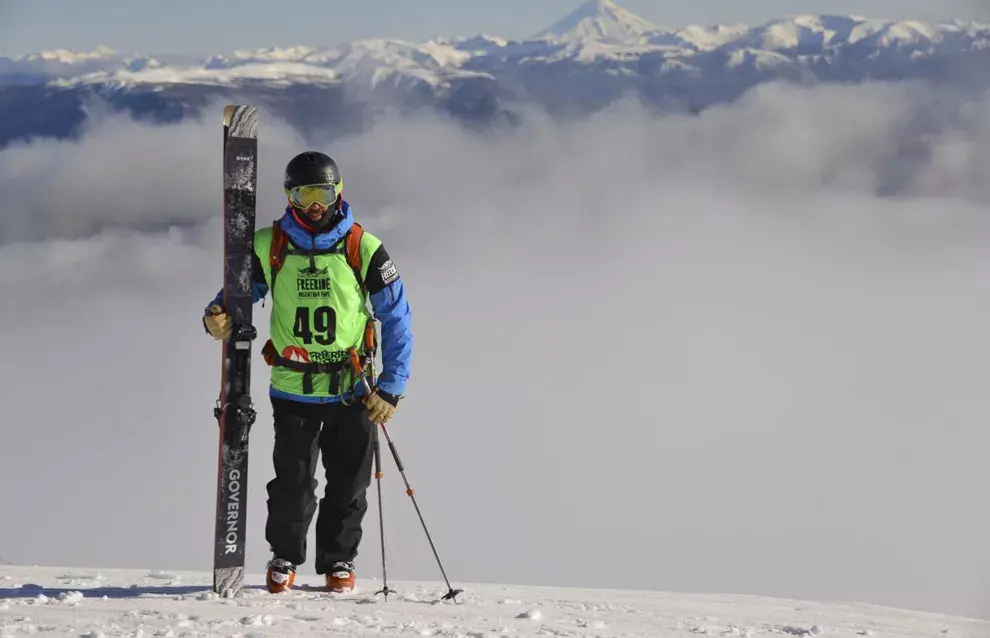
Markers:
point(341, 577)
point(281, 575)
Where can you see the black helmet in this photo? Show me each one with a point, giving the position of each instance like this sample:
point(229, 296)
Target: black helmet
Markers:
point(311, 167)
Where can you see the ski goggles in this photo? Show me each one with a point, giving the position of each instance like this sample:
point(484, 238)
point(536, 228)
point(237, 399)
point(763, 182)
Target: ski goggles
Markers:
point(302, 197)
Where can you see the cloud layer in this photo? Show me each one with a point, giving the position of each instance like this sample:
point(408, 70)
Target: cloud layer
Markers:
point(738, 352)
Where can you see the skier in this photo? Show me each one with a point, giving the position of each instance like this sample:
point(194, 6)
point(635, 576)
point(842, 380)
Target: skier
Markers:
point(325, 268)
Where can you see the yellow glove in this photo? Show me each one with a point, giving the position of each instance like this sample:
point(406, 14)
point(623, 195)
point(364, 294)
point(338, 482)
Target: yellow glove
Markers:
point(218, 323)
point(381, 406)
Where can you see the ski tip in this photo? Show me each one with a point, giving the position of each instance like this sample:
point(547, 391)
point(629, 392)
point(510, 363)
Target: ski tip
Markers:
point(240, 120)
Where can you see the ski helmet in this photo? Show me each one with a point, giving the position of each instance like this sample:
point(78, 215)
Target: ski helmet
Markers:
point(311, 167)
point(313, 177)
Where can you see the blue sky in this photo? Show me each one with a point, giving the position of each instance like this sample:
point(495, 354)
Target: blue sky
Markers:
point(209, 26)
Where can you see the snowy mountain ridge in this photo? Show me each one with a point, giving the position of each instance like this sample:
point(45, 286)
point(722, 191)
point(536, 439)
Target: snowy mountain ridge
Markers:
point(597, 30)
point(596, 55)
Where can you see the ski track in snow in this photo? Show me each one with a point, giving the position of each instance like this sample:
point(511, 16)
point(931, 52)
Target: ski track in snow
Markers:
point(98, 604)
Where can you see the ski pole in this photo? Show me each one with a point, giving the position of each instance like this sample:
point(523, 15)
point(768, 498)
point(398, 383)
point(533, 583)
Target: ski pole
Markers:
point(452, 593)
point(381, 520)
point(359, 370)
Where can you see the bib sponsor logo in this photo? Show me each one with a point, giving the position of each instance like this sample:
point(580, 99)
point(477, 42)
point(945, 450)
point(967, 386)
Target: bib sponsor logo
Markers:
point(314, 287)
point(295, 353)
point(389, 272)
point(313, 272)
point(329, 356)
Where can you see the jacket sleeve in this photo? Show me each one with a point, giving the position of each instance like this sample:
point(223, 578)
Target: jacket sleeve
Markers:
point(388, 302)
point(259, 287)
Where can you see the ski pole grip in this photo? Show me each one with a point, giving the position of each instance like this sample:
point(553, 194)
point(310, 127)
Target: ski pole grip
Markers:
point(378, 456)
point(369, 336)
point(395, 453)
point(355, 360)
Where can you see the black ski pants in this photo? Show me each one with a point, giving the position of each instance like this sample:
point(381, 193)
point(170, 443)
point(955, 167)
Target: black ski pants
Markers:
point(345, 436)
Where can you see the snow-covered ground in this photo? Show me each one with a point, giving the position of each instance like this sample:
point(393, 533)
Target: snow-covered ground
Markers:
point(89, 602)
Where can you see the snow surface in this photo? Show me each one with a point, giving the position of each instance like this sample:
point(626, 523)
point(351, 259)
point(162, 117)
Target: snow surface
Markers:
point(53, 601)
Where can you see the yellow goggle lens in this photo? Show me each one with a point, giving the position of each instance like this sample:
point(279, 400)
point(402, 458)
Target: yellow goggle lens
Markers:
point(305, 196)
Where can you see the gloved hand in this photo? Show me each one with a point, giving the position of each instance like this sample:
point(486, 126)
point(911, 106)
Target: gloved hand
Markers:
point(381, 406)
point(218, 323)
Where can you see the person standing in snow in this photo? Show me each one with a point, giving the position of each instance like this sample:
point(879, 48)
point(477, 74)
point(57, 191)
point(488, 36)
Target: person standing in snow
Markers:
point(329, 269)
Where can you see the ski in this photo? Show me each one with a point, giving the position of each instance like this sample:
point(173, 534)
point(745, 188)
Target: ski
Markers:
point(235, 410)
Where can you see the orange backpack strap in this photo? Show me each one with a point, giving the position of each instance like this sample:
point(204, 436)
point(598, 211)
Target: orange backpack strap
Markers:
point(352, 247)
point(280, 241)
point(276, 252)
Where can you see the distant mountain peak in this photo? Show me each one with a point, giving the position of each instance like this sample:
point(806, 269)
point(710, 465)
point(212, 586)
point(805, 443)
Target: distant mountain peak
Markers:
point(601, 20)
point(71, 56)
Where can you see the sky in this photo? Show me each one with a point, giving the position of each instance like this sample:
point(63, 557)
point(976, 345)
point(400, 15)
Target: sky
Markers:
point(699, 354)
point(196, 27)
